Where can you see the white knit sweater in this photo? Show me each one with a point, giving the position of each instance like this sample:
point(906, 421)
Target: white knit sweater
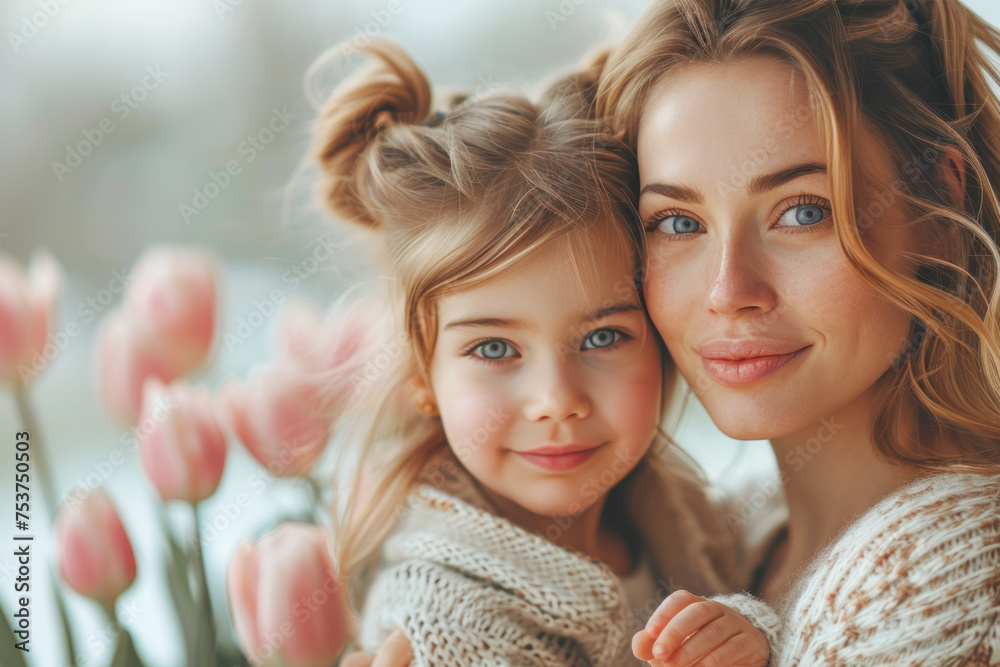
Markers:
point(470, 588)
point(914, 581)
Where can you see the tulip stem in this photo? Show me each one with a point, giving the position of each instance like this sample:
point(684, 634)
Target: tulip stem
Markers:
point(207, 646)
point(37, 449)
point(315, 496)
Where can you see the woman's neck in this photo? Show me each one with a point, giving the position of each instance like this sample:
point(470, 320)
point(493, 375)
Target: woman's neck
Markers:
point(831, 476)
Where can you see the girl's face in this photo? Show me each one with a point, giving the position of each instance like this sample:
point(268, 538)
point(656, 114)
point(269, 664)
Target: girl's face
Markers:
point(746, 281)
point(549, 394)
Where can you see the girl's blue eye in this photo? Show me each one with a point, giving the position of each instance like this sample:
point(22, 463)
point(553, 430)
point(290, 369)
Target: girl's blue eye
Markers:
point(494, 349)
point(601, 338)
point(679, 224)
point(803, 215)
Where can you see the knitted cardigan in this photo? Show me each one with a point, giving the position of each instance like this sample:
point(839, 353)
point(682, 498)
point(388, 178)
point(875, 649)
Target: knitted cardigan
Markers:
point(914, 581)
point(468, 587)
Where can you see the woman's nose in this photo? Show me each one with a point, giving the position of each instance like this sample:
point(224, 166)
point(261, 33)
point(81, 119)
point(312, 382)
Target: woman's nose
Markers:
point(555, 392)
point(740, 279)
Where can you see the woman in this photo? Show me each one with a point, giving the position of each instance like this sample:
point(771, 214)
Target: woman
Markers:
point(864, 345)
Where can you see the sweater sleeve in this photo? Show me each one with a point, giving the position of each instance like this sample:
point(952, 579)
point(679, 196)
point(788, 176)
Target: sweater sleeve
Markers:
point(915, 581)
point(761, 615)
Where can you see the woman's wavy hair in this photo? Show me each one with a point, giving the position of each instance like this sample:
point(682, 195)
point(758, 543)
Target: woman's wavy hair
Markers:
point(918, 75)
point(455, 197)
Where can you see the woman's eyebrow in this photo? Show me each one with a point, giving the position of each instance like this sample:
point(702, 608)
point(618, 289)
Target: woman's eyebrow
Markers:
point(761, 184)
point(757, 185)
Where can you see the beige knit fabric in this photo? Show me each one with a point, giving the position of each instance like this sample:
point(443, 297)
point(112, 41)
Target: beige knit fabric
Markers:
point(470, 588)
point(914, 581)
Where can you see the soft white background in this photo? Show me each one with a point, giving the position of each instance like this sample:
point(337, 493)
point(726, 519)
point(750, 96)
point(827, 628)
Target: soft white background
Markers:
point(228, 64)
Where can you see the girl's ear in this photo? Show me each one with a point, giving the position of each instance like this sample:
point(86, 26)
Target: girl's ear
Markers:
point(423, 395)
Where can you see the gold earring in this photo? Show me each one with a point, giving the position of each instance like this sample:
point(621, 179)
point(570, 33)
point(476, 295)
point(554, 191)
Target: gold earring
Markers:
point(428, 408)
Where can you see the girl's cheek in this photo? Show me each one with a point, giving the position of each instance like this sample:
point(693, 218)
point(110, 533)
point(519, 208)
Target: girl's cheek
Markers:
point(475, 422)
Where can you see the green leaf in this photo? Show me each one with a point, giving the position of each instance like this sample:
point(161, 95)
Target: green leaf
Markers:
point(9, 655)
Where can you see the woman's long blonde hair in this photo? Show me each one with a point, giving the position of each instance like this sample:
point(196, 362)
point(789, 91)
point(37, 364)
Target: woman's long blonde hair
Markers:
point(917, 75)
point(455, 197)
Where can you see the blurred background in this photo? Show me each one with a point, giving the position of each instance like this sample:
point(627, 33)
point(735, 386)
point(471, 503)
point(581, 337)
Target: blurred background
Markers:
point(119, 120)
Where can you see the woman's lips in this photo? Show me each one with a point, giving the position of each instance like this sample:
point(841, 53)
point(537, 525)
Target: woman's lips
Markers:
point(558, 459)
point(742, 372)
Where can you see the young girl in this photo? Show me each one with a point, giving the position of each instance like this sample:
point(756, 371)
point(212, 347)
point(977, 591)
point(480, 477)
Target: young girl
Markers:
point(526, 508)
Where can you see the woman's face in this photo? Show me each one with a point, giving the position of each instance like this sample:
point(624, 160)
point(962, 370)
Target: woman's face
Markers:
point(746, 281)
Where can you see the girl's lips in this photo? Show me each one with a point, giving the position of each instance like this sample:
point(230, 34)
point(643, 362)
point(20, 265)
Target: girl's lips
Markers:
point(558, 462)
point(742, 372)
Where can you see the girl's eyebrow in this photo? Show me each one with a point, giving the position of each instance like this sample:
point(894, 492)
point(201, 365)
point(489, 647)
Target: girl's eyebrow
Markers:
point(508, 323)
point(757, 185)
point(624, 307)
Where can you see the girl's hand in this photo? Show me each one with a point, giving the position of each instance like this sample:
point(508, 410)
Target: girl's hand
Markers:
point(394, 652)
point(689, 631)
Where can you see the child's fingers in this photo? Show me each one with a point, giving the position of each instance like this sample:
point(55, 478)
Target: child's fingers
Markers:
point(394, 652)
point(642, 645)
point(704, 641)
point(739, 650)
point(671, 605)
point(358, 659)
point(689, 620)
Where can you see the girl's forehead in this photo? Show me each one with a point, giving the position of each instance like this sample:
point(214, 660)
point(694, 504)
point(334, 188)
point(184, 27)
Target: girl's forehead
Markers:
point(573, 272)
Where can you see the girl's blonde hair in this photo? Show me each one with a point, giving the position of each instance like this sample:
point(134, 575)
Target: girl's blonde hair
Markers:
point(917, 75)
point(456, 198)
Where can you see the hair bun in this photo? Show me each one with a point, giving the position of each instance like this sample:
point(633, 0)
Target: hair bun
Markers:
point(389, 91)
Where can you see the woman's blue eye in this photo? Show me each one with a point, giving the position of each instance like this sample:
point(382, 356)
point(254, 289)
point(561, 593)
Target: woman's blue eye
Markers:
point(679, 224)
point(494, 349)
point(601, 338)
point(803, 215)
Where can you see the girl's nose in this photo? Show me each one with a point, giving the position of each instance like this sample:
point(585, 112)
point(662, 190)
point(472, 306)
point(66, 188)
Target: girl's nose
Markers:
point(555, 393)
point(740, 280)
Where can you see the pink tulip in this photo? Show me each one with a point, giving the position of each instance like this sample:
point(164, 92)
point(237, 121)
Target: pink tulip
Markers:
point(174, 290)
point(27, 315)
point(344, 339)
point(283, 417)
point(129, 351)
point(95, 555)
point(181, 447)
point(286, 606)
